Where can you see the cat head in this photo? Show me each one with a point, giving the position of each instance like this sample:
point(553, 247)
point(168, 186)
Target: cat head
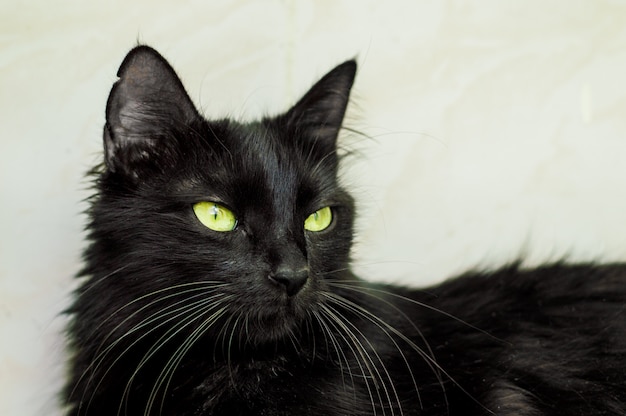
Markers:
point(242, 221)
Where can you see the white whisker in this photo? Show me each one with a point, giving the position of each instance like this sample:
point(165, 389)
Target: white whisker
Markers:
point(364, 356)
point(148, 321)
point(189, 317)
point(163, 380)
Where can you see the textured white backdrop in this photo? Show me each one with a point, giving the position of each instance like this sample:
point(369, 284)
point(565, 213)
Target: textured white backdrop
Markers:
point(498, 130)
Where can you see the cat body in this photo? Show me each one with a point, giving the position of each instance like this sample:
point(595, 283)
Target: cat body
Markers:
point(218, 282)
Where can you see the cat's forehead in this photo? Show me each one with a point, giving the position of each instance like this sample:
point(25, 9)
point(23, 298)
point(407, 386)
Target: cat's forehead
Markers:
point(264, 148)
point(251, 162)
point(267, 156)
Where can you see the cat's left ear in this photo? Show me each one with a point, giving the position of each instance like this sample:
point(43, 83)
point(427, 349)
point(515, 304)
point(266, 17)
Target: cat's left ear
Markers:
point(320, 112)
point(146, 105)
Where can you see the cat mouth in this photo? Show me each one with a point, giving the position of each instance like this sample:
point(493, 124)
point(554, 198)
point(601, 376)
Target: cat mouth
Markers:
point(269, 328)
point(276, 321)
point(265, 313)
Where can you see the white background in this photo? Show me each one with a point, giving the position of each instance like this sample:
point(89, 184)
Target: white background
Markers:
point(497, 130)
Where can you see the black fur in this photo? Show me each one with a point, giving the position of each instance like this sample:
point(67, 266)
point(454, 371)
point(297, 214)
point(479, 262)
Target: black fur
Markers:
point(176, 319)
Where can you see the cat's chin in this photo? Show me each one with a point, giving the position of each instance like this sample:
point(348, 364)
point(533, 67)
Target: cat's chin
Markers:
point(270, 334)
point(279, 323)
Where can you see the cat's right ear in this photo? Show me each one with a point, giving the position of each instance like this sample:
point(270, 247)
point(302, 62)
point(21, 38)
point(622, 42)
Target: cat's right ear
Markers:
point(145, 105)
point(319, 114)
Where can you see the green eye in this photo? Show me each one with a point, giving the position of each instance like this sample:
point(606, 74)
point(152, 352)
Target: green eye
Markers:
point(319, 220)
point(215, 216)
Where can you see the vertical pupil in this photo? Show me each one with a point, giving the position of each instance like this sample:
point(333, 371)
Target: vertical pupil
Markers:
point(215, 211)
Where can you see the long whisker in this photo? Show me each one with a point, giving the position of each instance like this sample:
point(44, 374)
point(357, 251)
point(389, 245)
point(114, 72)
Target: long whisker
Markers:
point(311, 335)
point(93, 284)
point(356, 356)
point(368, 316)
point(223, 335)
point(422, 353)
point(343, 284)
point(99, 359)
point(428, 358)
point(145, 322)
point(163, 380)
point(417, 349)
point(190, 316)
point(380, 360)
point(362, 353)
point(230, 345)
point(203, 285)
point(394, 307)
point(327, 333)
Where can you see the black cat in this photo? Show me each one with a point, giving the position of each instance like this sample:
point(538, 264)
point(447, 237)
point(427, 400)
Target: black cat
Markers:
point(218, 282)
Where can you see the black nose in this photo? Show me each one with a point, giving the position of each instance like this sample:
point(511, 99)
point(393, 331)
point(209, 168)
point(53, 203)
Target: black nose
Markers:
point(291, 279)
